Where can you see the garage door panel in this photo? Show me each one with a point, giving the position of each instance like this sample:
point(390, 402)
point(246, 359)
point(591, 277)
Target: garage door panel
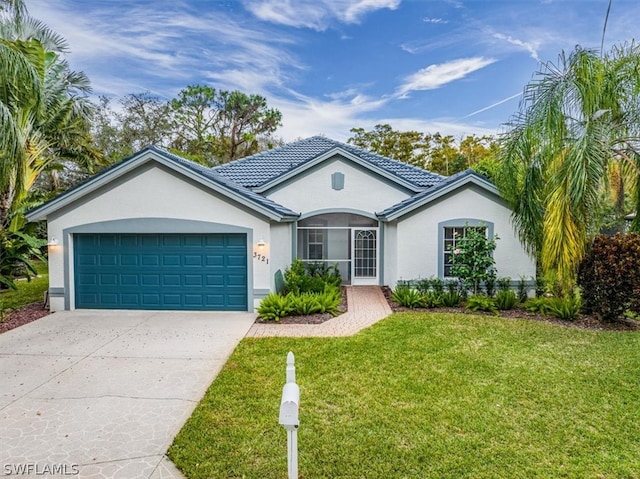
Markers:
point(171, 260)
point(235, 280)
point(171, 299)
point(85, 259)
point(129, 280)
point(236, 260)
point(150, 279)
point(108, 299)
point(171, 280)
point(109, 279)
point(129, 260)
point(161, 271)
point(192, 260)
point(192, 280)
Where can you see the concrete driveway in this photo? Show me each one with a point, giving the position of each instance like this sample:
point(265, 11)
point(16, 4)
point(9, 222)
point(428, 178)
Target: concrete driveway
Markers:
point(103, 393)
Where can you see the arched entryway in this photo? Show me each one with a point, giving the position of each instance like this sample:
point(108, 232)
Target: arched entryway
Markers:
point(348, 240)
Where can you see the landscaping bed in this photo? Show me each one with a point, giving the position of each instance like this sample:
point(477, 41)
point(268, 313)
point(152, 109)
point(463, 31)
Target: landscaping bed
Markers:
point(582, 321)
point(22, 316)
point(316, 318)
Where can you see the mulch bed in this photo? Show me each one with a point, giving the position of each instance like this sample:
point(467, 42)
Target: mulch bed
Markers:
point(311, 318)
point(24, 315)
point(583, 321)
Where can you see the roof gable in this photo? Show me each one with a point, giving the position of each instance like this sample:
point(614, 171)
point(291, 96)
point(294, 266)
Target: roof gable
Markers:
point(266, 169)
point(199, 173)
point(445, 187)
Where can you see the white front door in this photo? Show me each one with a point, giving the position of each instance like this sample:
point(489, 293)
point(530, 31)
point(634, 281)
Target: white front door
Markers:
point(364, 256)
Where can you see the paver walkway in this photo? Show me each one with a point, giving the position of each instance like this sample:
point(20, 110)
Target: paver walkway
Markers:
point(367, 305)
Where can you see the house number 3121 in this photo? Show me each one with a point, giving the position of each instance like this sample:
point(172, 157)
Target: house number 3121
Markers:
point(260, 257)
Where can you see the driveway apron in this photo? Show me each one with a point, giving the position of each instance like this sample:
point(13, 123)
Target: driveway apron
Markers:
point(103, 393)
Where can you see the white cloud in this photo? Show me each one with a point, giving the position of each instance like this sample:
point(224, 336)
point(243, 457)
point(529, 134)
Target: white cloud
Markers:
point(352, 10)
point(304, 117)
point(315, 14)
point(435, 20)
point(437, 75)
point(172, 43)
point(531, 47)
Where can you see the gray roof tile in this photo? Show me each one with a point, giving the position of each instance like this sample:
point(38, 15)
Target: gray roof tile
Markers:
point(259, 169)
point(446, 181)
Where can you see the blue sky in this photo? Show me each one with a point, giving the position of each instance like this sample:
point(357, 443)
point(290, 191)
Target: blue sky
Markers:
point(450, 66)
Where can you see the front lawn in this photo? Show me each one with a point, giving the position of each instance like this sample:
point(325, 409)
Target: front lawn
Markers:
point(28, 291)
point(427, 395)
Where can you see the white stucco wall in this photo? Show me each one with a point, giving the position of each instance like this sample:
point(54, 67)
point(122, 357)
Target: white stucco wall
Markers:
point(417, 236)
point(280, 248)
point(312, 191)
point(153, 192)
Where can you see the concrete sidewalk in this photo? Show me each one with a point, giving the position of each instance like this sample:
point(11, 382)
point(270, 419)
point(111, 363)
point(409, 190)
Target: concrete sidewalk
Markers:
point(366, 306)
point(103, 393)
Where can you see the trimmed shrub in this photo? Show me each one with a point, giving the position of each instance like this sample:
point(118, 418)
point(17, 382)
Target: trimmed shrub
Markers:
point(432, 299)
point(304, 303)
point(506, 299)
point(609, 276)
point(566, 308)
point(451, 299)
point(541, 305)
point(303, 277)
point(329, 300)
point(407, 297)
point(479, 302)
point(275, 307)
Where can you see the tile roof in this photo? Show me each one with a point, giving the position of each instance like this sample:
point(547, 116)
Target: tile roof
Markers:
point(259, 169)
point(433, 192)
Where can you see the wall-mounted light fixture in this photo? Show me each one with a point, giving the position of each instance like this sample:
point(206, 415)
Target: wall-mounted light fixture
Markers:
point(53, 241)
point(262, 243)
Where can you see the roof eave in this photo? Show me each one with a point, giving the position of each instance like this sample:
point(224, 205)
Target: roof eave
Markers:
point(146, 155)
point(436, 193)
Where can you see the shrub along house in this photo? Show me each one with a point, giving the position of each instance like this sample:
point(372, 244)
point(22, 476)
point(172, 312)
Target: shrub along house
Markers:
point(156, 231)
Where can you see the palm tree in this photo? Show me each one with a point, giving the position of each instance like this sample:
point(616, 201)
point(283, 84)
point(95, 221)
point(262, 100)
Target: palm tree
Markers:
point(577, 117)
point(44, 110)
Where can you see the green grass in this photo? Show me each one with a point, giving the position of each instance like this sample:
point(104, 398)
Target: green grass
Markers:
point(427, 395)
point(28, 291)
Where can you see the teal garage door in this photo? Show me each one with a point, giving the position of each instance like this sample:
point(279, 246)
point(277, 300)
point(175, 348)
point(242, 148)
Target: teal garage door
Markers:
point(161, 271)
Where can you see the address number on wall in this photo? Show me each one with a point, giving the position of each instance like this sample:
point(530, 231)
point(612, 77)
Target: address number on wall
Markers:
point(260, 257)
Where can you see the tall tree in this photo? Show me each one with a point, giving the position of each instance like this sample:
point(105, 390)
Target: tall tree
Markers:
point(438, 153)
point(222, 125)
point(410, 147)
point(43, 122)
point(45, 113)
point(577, 118)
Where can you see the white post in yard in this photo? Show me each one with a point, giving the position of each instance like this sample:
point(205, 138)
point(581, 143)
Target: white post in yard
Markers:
point(289, 416)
